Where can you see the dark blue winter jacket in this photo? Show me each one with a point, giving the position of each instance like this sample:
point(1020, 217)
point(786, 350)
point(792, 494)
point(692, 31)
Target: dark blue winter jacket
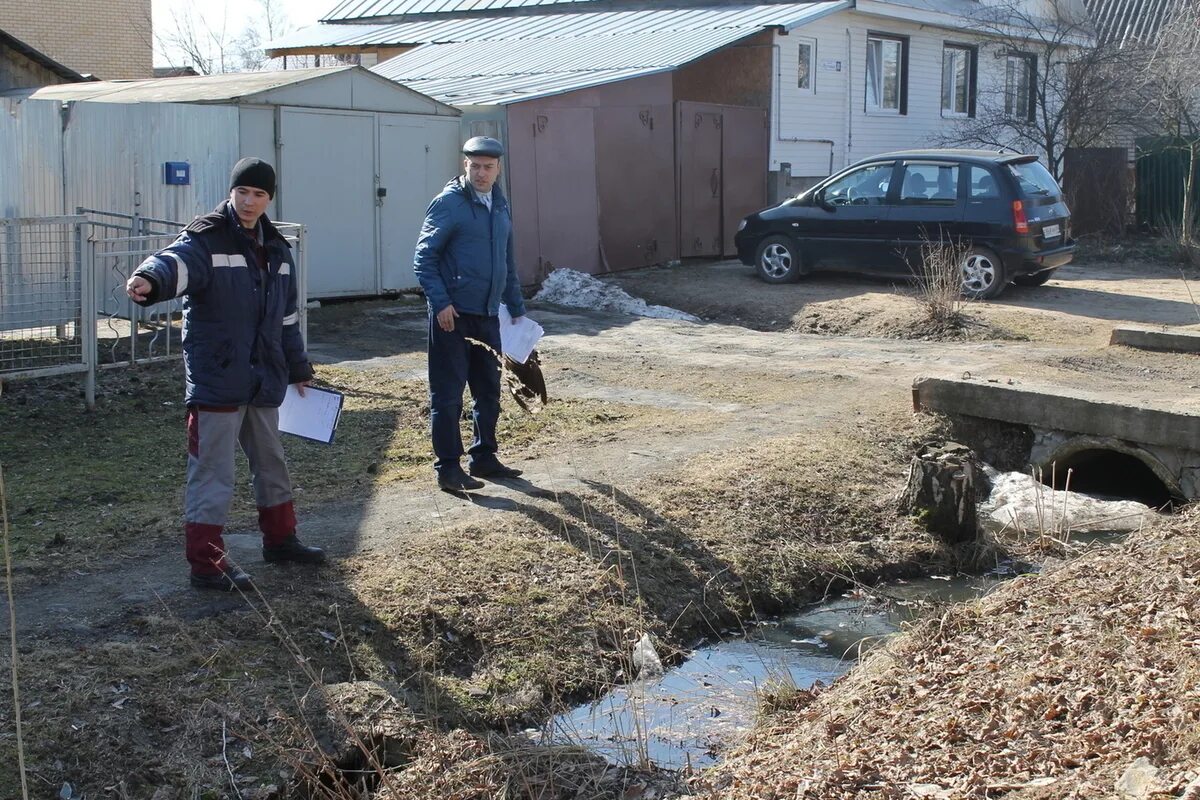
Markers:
point(241, 326)
point(464, 254)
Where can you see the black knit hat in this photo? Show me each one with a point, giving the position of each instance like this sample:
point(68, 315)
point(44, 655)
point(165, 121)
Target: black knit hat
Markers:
point(253, 172)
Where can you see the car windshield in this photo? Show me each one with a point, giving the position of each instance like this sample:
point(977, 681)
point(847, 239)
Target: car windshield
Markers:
point(1034, 178)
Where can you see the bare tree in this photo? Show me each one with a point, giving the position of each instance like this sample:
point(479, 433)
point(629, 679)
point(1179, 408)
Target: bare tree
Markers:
point(211, 49)
point(1059, 87)
point(1170, 84)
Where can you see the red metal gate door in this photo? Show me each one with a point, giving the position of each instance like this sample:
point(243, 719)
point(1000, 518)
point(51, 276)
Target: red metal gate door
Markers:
point(699, 181)
point(744, 164)
point(635, 174)
point(568, 230)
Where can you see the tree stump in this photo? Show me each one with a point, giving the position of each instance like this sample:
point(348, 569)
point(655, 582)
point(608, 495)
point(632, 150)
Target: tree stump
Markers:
point(941, 491)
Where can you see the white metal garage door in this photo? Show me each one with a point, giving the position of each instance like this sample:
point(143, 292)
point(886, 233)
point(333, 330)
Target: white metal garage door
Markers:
point(327, 182)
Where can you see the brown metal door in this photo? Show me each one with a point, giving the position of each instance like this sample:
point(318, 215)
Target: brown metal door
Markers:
point(744, 166)
point(568, 231)
point(635, 174)
point(699, 179)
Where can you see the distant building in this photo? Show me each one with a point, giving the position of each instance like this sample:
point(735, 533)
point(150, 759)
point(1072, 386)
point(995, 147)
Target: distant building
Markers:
point(109, 39)
point(23, 67)
point(175, 72)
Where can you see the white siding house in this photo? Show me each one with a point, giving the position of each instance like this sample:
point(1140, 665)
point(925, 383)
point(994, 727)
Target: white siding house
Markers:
point(884, 76)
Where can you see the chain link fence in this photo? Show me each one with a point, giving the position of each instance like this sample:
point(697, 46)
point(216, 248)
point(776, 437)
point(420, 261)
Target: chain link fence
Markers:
point(63, 306)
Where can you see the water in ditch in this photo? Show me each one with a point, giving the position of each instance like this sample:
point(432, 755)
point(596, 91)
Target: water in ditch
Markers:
point(689, 714)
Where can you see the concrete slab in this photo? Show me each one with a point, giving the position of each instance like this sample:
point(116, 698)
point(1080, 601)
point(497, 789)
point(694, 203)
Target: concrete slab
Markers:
point(1050, 408)
point(1165, 341)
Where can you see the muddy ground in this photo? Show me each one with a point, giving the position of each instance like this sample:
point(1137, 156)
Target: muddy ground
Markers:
point(687, 477)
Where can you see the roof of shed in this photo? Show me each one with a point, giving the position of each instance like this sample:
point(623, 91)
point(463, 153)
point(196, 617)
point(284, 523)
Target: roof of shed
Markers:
point(495, 62)
point(238, 87)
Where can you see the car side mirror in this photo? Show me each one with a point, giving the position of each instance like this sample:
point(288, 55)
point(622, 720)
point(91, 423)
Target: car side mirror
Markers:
point(819, 200)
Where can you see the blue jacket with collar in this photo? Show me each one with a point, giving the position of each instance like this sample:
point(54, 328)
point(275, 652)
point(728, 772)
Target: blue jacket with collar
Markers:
point(464, 253)
point(241, 325)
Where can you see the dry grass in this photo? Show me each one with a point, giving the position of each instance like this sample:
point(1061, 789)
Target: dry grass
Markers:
point(939, 283)
point(479, 627)
point(1050, 687)
point(119, 485)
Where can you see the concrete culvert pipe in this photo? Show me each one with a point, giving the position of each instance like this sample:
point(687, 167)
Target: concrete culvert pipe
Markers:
point(1113, 470)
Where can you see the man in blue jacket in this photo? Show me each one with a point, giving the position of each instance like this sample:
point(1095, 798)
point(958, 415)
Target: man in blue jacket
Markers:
point(241, 349)
point(464, 262)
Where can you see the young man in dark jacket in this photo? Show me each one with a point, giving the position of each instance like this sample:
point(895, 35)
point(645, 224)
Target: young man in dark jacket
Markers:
point(241, 349)
point(464, 262)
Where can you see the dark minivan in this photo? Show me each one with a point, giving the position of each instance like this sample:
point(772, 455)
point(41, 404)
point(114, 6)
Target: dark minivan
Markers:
point(1004, 211)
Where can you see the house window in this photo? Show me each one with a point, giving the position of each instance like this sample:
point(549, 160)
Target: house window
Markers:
point(958, 81)
point(807, 69)
point(887, 74)
point(1020, 87)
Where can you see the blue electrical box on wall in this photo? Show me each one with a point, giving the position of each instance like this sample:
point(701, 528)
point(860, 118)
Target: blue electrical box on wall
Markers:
point(177, 173)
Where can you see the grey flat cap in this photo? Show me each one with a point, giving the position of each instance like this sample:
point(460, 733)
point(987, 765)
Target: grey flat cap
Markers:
point(483, 146)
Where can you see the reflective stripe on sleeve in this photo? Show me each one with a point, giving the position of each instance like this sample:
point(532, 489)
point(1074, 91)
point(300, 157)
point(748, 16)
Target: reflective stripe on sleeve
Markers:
point(181, 274)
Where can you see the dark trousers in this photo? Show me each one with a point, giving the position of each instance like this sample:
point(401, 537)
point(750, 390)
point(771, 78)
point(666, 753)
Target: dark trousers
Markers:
point(454, 364)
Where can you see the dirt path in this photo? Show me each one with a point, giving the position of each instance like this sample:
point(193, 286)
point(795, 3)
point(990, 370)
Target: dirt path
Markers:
point(731, 386)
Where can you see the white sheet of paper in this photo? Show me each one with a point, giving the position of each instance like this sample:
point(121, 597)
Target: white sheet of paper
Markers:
point(518, 340)
point(313, 416)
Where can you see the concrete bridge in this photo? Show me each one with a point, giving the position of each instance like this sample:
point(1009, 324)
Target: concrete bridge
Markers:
point(1107, 448)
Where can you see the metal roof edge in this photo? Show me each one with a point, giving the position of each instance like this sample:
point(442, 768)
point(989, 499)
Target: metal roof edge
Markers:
point(841, 6)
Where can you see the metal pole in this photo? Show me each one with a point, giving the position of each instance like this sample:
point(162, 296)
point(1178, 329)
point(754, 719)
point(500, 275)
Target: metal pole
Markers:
point(86, 255)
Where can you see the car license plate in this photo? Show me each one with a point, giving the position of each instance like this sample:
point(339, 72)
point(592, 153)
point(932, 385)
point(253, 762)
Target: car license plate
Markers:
point(1051, 232)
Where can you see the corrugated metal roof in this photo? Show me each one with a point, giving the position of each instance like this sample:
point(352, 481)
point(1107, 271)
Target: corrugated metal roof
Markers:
point(190, 89)
point(503, 61)
point(601, 23)
point(362, 9)
point(1123, 21)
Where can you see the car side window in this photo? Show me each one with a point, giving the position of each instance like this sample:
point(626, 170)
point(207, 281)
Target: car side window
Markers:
point(929, 185)
point(982, 184)
point(862, 187)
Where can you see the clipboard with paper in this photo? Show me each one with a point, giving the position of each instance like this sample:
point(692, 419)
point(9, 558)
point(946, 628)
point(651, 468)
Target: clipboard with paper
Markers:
point(314, 416)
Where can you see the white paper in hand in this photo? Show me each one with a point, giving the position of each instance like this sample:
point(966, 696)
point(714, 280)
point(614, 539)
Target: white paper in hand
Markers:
point(313, 416)
point(518, 339)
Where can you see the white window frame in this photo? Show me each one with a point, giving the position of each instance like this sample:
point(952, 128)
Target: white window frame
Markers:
point(950, 79)
point(811, 44)
point(1019, 66)
point(874, 105)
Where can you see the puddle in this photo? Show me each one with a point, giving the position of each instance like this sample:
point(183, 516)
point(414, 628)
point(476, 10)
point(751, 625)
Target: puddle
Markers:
point(687, 716)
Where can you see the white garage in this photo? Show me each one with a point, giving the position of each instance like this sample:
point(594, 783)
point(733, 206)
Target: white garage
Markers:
point(358, 158)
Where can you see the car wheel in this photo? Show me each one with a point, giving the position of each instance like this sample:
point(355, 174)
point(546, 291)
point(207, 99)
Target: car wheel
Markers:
point(982, 274)
point(778, 260)
point(1036, 279)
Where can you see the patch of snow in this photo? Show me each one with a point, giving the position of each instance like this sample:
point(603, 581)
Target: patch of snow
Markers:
point(1018, 502)
point(568, 287)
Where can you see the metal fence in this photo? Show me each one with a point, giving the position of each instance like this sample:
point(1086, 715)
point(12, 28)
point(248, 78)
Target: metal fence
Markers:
point(63, 306)
point(1162, 168)
point(47, 309)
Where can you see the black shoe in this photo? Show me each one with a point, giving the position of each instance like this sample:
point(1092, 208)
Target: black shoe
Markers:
point(492, 469)
point(229, 579)
point(455, 480)
point(292, 549)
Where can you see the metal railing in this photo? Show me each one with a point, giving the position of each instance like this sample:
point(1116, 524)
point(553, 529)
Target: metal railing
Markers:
point(63, 306)
point(47, 301)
